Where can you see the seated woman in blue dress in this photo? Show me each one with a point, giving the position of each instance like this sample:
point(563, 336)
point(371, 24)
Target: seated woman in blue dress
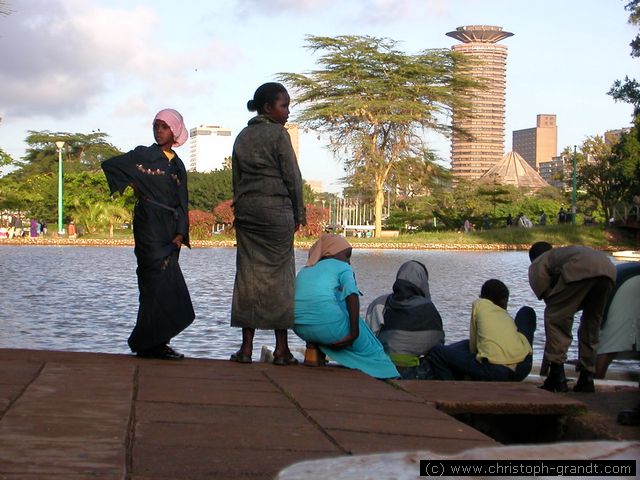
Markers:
point(327, 310)
point(499, 349)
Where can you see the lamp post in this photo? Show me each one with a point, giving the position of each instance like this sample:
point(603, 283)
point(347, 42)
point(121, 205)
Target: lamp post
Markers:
point(575, 189)
point(60, 144)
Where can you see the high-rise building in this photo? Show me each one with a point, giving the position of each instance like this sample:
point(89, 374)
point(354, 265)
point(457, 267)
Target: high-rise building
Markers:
point(294, 133)
point(539, 144)
point(482, 144)
point(209, 145)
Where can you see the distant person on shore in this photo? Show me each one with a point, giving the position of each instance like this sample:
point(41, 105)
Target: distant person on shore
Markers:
point(620, 328)
point(467, 226)
point(486, 225)
point(543, 219)
point(33, 228)
point(327, 311)
point(509, 221)
point(71, 230)
point(570, 279)
point(499, 349)
point(160, 228)
point(562, 215)
point(269, 208)
point(407, 322)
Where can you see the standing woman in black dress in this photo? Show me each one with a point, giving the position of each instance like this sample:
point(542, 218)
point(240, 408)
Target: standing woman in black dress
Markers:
point(268, 209)
point(160, 227)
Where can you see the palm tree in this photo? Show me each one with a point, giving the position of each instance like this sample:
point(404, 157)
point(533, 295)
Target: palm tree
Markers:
point(100, 215)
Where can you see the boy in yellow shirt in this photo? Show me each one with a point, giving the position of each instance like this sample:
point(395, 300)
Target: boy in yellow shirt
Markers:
point(499, 349)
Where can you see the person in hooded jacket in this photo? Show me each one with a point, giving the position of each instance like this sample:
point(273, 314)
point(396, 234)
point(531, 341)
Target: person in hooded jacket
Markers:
point(407, 322)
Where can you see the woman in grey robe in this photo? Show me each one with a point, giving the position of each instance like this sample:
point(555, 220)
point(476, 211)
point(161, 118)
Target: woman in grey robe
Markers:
point(268, 209)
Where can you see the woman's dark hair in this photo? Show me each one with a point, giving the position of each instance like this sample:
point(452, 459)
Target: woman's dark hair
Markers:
point(538, 249)
point(266, 93)
point(494, 290)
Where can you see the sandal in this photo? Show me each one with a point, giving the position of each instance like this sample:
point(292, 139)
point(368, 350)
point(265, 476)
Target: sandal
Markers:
point(314, 357)
point(285, 361)
point(240, 357)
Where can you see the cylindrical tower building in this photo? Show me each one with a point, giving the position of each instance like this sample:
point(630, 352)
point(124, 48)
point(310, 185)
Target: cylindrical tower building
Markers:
point(483, 145)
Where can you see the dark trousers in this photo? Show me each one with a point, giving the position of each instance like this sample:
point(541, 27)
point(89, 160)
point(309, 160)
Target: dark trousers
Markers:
point(590, 296)
point(456, 362)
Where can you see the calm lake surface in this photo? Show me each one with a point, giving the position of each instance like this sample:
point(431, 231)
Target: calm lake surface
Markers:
point(86, 298)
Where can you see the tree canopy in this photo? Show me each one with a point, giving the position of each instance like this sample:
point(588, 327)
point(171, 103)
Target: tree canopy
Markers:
point(374, 102)
point(609, 169)
point(628, 90)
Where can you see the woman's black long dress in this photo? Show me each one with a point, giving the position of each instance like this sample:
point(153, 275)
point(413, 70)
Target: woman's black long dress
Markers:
point(159, 215)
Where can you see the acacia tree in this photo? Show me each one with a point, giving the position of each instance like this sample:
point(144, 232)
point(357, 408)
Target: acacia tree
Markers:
point(375, 102)
point(81, 152)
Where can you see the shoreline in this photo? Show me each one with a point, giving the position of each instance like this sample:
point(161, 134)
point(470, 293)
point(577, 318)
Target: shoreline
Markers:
point(300, 244)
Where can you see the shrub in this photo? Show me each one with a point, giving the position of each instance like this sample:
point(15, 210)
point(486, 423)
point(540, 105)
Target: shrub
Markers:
point(200, 224)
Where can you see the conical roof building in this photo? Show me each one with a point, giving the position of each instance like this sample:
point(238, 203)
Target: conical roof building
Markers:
point(514, 170)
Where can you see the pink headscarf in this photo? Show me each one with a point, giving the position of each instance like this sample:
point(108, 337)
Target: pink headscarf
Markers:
point(172, 118)
point(326, 246)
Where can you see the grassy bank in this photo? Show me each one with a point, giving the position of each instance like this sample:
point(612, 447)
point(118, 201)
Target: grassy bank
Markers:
point(556, 235)
point(497, 239)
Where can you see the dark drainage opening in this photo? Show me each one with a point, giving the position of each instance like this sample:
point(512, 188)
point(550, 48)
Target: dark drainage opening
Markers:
point(523, 429)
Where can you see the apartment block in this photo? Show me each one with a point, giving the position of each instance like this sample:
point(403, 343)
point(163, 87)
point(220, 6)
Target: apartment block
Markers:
point(209, 145)
point(539, 144)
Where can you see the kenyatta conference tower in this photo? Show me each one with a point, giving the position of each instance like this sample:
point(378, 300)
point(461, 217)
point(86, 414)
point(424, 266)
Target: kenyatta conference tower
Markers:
point(474, 155)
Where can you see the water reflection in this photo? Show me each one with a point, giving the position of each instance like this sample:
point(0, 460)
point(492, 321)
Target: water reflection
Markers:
point(86, 298)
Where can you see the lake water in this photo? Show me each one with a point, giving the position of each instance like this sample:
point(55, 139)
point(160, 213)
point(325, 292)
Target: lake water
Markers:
point(86, 298)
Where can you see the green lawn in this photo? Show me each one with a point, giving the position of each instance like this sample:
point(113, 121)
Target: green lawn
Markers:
point(595, 236)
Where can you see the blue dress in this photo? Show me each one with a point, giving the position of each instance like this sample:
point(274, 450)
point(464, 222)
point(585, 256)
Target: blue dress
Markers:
point(321, 317)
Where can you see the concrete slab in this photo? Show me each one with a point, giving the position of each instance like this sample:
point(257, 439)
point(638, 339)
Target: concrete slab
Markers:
point(63, 428)
point(17, 372)
point(442, 427)
point(70, 415)
point(200, 463)
point(42, 456)
point(505, 398)
point(8, 394)
point(361, 442)
point(270, 428)
point(179, 390)
point(414, 407)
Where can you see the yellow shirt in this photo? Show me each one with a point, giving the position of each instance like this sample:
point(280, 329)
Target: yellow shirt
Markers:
point(169, 154)
point(493, 335)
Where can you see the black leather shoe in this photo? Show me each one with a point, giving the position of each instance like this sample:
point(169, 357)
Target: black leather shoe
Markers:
point(585, 383)
point(556, 380)
point(163, 352)
point(169, 353)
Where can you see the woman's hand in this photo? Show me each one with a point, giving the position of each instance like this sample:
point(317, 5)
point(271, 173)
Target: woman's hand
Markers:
point(177, 241)
point(353, 307)
point(345, 341)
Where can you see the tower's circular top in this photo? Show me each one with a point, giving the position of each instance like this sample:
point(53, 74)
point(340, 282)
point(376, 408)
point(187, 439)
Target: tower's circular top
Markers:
point(479, 33)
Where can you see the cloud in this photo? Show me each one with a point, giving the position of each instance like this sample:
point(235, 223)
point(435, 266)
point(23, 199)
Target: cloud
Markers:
point(278, 7)
point(62, 56)
point(363, 11)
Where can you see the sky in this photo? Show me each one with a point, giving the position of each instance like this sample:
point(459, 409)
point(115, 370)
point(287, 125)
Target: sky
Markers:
point(79, 66)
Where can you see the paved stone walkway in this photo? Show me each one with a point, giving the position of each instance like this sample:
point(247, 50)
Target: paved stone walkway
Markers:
point(78, 415)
